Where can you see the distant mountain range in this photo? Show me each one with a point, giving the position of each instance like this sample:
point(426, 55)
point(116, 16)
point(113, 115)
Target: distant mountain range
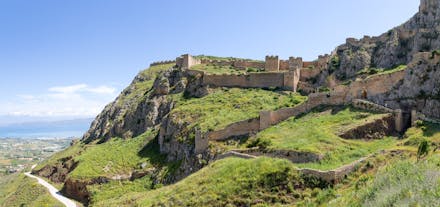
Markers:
point(46, 129)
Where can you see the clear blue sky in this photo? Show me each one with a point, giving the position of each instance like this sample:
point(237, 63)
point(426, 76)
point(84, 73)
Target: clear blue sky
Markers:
point(70, 58)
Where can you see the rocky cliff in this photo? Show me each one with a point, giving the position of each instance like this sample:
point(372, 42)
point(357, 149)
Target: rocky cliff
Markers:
point(393, 48)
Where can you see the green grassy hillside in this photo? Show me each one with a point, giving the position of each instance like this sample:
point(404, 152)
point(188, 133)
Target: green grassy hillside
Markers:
point(226, 106)
point(19, 190)
point(228, 182)
point(317, 131)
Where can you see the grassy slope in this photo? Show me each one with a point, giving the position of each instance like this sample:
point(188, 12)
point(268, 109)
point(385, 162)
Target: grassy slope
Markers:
point(228, 182)
point(226, 106)
point(19, 190)
point(400, 183)
point(370, 72)
point(316, 132)
point(139, 88)
point(426, 131)
point(119, 157)
point(68, 152)
point(210, 69)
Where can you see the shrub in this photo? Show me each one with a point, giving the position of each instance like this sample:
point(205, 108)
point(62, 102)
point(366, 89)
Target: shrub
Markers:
point(419, 123)
point(423, 149)
point(261, 143)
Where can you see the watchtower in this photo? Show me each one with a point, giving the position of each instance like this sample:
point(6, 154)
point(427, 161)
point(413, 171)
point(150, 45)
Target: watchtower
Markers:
point(272, 64)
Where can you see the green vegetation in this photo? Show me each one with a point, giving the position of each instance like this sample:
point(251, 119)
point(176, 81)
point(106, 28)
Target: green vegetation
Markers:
point(141, 87)
point(226, 106)
point(317, 132)
point(228, 182)
point(120, 157)
point(370, 72)
point(404, 183)
point(66, 153)
point(208, 57)
point(19, 190)
point(115, 189)
point(423, 131)
point(213, 69)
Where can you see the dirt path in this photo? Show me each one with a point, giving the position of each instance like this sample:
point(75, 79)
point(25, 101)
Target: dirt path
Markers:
point(53, 191)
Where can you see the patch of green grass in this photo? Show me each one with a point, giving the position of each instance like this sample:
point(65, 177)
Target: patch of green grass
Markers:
point(212, 69)
point(138, 90)
point(115, 189)
point(370, 72)
point(226, 106)
point(317, 131)
point(117, 157)
point(424, 131)
point(20, 190)
point(404, 183)
point(208, 57)
point(68, 152)
point(228, 182)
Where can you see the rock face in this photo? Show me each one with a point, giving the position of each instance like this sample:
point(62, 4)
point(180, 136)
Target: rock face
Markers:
point(137, 109)
point(395, 47)
point(58, 172)
point(420, 89)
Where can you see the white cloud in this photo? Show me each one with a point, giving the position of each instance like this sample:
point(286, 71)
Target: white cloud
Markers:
point(102, 90)
point(80, 100)
point(83, 88)
point(68, 89)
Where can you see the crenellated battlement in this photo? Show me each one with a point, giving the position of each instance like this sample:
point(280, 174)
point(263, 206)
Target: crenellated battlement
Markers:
point(272, 64)
point(164, 62)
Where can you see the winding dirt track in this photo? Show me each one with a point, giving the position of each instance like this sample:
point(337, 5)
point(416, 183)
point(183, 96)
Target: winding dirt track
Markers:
point(53, 191)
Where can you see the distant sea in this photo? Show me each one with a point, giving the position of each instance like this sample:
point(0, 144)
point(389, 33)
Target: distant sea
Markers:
point(56, 129)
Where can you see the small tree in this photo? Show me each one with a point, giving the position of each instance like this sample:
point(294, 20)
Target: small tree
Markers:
point(423, 149)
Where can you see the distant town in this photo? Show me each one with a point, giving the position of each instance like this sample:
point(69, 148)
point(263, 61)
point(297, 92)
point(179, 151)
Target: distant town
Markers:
point(16, 153)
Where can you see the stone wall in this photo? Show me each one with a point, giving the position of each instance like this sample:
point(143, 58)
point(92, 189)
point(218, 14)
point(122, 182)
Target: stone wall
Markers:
point(201, 142)
point(375, 85)
point(284, 65)
point(165, 62)
point(308, 73)
point(241, 64)
point(251, 80)
point(272, 64)
point(187, 61)
point(333, 176)
point(367, 105)
point(242, 128)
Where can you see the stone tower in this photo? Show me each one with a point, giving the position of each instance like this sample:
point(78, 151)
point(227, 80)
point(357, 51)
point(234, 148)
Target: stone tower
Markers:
point(272, 64)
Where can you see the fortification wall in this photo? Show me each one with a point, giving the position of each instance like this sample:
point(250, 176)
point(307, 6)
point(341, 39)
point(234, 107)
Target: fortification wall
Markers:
point(248, 64)
point(367, 105)
point(305, 87)
point(251, 80)
point(272, 64)
point(241, 128)
point(284, 65)
point(333, 176)
point(235, 154)
point(375, 85)
point(308, 73)
point(308, 64)
point(162, 62)
point(187, 61)
point(201, 142)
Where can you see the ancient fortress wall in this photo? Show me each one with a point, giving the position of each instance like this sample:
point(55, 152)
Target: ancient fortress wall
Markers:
point(308, 73)
point(251, 80)
point(162, 62)
point(248, 64)
point(236, 129)
point(272, 64)
point(187, 61)
point(375, 85)
point(284, 65)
